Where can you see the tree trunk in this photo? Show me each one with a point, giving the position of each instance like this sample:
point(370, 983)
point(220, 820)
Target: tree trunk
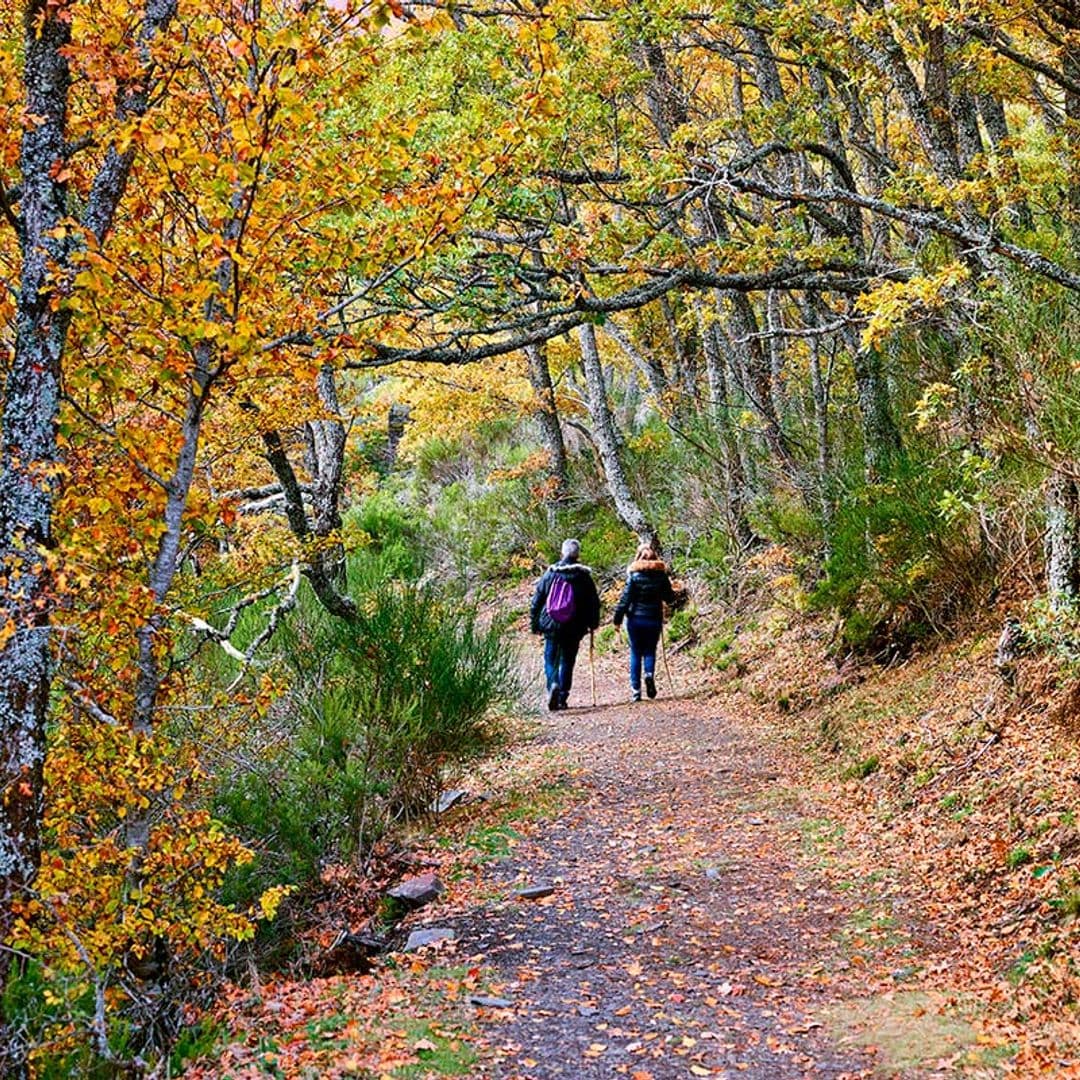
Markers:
point(396, 419)
point(736, 488)
point(755, 377)
point(881, 437)
point(28, 433)
point(28, 456)
point(819, 388)
point(650, 367)
point(685, 365)
point(936, 89)
point(548, 419)
point(1070, 66)
point(777, 352)
point(993, 116)
point(1062, 541)
point(322, 583)
point(607, 439)
point(326, 439)
point(969, 137)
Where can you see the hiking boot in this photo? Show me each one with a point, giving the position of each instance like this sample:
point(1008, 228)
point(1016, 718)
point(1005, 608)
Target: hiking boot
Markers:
point(563, 698)
point(650, 686)
point(635, 695)
point(554, 699)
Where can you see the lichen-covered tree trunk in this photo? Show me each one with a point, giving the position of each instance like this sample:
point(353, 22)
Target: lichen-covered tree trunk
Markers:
point(736, 489)
point(29, 452)
point(606, 438)
point(882, 442)
point(396, 419)
point(819, 390)
point(547, 417)
point(326, 444)
point(1070, 66)
point(1062, 540)
point(28, 477)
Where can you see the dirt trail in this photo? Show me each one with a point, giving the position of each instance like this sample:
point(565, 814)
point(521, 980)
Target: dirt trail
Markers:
point(687, 934)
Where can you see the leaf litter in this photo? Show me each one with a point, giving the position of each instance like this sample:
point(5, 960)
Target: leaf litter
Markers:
point(719, 894)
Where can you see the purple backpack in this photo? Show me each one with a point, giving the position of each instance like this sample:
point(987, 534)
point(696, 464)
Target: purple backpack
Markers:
point(560, 600)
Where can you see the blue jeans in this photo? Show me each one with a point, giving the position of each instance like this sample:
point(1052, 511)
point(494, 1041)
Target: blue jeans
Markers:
point(560, 655)
point(644, 637)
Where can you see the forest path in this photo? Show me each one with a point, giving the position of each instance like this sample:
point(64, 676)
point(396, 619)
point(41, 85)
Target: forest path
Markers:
point(688, 933)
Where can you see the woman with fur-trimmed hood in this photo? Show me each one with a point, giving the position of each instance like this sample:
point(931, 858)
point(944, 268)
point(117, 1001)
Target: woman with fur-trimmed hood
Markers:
point(648, 588)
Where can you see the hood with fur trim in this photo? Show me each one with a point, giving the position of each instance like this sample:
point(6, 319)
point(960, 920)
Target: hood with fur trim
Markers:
point(643, 565)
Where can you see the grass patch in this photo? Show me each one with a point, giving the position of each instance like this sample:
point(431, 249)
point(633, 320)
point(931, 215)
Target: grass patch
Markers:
point(492, 842)
point(820, 836)
point(441, 1051)
point(719, 653)
point(1019, 856)
point(909, 1029)
point(869, 929)
point(860, 770)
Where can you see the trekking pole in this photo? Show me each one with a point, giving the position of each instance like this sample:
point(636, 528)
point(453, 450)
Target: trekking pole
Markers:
point(663, 653)
point(592, 666)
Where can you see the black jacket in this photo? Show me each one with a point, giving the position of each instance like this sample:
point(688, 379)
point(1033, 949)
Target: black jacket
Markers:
point(586, 603)
point(648, 588)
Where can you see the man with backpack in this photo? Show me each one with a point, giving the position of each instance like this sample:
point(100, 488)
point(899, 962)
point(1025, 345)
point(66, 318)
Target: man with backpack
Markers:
point(565, 607)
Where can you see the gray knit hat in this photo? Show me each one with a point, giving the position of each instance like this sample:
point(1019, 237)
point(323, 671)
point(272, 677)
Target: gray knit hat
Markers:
point(571, 551)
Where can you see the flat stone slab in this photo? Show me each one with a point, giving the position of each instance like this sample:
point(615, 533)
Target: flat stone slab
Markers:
point(430, 936)
point(534, 892)
point(417, 891)
point(447, 799)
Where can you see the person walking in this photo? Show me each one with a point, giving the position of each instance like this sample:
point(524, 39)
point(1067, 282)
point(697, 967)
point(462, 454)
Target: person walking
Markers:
point(565, 607)
point(648, 588)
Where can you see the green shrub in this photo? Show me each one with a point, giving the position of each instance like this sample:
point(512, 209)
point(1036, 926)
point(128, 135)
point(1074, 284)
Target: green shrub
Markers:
point(487, 533)
point(681, 624)
point(396, 535)
point(862, 769)
point(906, 557)
point(1019, 856)
point(607, 545)
point(606, 639)
point(719, 653)
point(712, 557)
point(783, 518)
point(377, 712)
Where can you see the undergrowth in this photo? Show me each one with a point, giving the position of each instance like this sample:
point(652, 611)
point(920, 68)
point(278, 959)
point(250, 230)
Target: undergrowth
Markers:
point(377, 713)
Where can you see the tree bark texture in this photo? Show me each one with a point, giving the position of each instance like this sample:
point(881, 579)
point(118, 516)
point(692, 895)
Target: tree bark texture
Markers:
point(326, 440)
point(547, 415)
point(881, 436)
point(396, 419)
point(1062, 540)
point(28, 460)
point(607, 439)
point(29, 454)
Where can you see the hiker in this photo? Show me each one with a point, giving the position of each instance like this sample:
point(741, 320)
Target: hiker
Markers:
point(647, 589)
point(565, 608)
